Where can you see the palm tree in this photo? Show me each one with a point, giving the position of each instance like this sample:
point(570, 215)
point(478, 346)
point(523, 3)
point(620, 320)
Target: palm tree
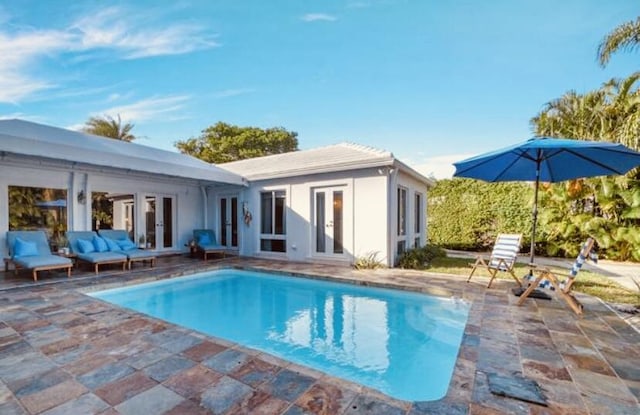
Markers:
point(623, 112)
point(626, 36)
point(109, 127)
point(574, 115)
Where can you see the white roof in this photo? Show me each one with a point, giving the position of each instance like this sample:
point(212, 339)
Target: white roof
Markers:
point(338, 157)
point(42, 141)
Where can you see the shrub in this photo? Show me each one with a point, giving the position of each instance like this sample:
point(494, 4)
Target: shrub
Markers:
point(368, 261)
point(420, 258)
point(468, 214)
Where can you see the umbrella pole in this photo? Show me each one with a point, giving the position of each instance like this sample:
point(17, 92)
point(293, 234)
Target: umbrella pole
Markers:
point(535, 218)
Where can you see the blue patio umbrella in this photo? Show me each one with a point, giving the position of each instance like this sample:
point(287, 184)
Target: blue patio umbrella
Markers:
point(545, 159)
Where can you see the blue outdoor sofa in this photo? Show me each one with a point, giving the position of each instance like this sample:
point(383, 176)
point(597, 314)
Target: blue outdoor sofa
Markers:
point(121, 238)
point(88, 247)
point(30, 250)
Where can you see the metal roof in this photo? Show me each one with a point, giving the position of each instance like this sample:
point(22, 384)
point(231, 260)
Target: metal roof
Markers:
point(337, 157)
point(27, 138)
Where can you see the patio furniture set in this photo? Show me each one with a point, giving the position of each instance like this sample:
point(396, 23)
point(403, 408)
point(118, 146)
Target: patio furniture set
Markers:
point(30, 250)
point(503, 259)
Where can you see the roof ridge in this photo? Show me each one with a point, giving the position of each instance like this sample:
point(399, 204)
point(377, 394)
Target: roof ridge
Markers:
point(366, 148)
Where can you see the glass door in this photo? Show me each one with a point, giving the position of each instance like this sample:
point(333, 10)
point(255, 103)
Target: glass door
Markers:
point(228, 224)
point(159, 213)
point(328, 229)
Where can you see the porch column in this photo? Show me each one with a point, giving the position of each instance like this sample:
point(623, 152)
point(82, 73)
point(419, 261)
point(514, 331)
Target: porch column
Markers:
point(205, 205)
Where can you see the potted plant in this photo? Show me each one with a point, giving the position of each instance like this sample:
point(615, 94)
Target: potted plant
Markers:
point(141, 241)
point(60, 244)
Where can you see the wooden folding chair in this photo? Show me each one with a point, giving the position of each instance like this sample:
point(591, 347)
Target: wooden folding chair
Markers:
point(551, 280)
point(502, 259)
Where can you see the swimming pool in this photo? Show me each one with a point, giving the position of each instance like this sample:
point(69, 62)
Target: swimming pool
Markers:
point(403, 344)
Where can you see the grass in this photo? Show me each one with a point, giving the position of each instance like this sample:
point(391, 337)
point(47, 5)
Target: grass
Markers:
point(588, 282)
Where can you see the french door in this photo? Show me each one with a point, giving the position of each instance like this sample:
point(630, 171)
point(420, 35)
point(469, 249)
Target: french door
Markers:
point(159, 221)
point(328, 221)
point(228, 224)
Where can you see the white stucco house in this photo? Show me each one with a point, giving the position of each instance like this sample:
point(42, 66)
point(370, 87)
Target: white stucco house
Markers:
point(334, 203)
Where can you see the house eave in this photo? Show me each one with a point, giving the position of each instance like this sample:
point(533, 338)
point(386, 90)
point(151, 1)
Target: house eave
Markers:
point(321, 169)
point(22, 160)
point(37, 150)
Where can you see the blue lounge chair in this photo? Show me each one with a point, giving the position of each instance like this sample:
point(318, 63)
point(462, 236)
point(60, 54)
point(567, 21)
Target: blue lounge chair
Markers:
point(30, 250)
point(206, 243)
point(549, 279)
point(121, 238)
point(84, 245)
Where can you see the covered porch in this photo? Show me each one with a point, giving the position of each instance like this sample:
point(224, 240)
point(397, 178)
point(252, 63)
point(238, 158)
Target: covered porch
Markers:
point(55, 180)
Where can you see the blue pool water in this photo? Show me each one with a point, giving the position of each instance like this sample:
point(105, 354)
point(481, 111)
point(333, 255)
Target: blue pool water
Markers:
point(401, 343)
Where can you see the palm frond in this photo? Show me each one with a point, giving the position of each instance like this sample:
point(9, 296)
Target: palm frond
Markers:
point(625, 37)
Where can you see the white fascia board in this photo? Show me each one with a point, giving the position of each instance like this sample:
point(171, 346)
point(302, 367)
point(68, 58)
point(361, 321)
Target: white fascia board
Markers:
point(413, 173)
point(322, 169)
point(73, 154)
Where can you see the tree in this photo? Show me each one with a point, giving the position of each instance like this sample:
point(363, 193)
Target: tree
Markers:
point(109, 127)
point(222, 143)
point(607, 208)
point(626, 36)
point(573, 116)
point(610, 113)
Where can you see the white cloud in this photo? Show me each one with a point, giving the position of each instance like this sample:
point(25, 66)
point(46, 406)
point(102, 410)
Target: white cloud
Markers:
point(126, 34)
point(12, 116)
point(440, 167)
point(18, 53)
point(315, 17)
point(75, 127)
point(112, 28)
point(232, 92)
point(154, 108)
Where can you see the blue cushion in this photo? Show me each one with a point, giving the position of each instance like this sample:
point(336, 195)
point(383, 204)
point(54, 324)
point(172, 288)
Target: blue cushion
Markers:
point(99, 244)
point(101, 257)
point(24, 248)
point(85, 247)
point(42, 261)
point(113, 246)
point(204, 239)
point(126, 244)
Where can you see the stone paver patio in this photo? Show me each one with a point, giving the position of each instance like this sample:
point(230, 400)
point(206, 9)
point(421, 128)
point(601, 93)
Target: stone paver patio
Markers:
point(63, 352)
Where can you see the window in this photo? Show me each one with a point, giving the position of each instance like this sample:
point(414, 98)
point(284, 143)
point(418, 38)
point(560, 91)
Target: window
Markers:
point(402, 211)
point(273, 227)
point(113, 210)
point(37, 208)
point(419, 208)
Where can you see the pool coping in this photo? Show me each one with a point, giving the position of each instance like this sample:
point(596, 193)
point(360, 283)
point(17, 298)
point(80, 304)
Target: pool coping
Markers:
point(314, 276)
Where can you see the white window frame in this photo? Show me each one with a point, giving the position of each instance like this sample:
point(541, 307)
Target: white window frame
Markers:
point(401, 218)
point(273, 235)
point(418, 218)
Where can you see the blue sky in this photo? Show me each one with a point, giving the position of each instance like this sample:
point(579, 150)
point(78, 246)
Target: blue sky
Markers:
point(433, 81)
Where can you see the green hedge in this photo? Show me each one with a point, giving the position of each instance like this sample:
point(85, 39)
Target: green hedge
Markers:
point(468, 214)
